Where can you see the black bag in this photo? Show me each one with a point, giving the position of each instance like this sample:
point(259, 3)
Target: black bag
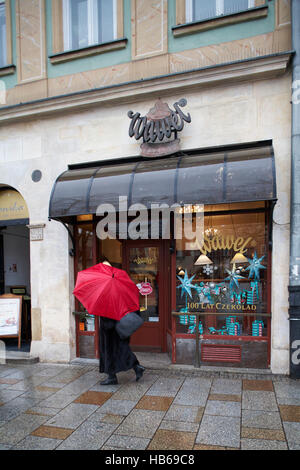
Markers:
point(128, 324)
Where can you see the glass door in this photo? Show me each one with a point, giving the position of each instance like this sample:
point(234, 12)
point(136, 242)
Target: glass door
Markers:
point(143, 260)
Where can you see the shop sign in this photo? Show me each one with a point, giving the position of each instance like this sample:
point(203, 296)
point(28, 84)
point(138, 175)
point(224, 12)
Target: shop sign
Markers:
point(12, 206)
point(144, 260)
point(159, 128)
point(36, 232)
point(219, 306)
point(224, 243)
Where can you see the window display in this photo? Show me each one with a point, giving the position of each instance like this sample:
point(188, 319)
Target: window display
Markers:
point(223, 274)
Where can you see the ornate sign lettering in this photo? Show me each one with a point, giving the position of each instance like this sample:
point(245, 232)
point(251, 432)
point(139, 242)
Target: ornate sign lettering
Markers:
point(224, 243)
point(159, 125)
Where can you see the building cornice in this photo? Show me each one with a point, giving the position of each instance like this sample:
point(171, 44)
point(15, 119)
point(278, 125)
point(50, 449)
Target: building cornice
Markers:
point(259, 68)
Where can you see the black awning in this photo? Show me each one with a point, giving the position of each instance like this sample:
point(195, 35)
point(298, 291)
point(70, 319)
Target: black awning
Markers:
point(212, 177)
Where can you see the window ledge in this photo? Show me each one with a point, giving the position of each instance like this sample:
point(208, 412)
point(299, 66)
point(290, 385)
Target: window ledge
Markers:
point(218, 21)
point(88, 51)
point(7, 70)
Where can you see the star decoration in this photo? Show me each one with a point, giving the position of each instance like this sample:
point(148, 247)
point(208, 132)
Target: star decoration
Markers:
point(186, 284)
point(254, 267)
point(233, 277)
point(208, 269)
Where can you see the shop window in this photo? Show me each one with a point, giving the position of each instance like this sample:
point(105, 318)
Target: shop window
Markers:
point(222, 274)
point(88, 22)
point(198, 10)
point(3, 59)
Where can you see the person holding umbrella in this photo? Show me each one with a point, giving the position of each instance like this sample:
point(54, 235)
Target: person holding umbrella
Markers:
point(109, 292)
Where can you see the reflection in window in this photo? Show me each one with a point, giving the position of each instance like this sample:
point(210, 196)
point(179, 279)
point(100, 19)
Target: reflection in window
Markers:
point(2, 35)
point(88, 22)
point(198, 10)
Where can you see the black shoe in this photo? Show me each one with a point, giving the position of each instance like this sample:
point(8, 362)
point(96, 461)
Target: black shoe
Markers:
point(110, 380)
point(139, 370)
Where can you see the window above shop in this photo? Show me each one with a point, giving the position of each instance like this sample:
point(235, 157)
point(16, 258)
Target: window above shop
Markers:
point(88, 22)
point(194, 16)
point(2, 35)
point(86, 27)
point(6, 67)
point(197, 10)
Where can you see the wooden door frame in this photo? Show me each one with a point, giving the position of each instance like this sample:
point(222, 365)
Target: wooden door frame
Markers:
point(164, 280)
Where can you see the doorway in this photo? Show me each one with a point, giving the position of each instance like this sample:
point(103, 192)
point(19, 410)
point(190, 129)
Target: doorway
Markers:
point(146, 263)
point(15, 278)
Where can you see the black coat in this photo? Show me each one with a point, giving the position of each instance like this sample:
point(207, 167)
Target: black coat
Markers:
point(115, 353)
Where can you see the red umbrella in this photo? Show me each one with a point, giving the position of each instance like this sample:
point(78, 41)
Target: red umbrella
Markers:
point(106, 291)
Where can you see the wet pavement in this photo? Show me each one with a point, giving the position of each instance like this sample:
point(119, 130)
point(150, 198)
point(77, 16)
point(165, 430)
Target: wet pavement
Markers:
point(64, 407)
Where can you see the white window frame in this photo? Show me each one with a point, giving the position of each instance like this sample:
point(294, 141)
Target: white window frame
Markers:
point(92, 23)
point(4, 46)
point(219, 8)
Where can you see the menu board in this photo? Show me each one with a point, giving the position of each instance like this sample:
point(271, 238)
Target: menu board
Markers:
point(10, 315)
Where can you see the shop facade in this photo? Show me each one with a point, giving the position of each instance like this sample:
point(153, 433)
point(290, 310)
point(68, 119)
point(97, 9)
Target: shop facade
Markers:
point(229, 172)
point(193, 230)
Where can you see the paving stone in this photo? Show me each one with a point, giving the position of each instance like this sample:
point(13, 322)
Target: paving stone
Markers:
point(292, 432)
point(105, 388)
point(19, 427)
point(53, 384)
point(15, 407)
point(8, 381)
point(152, 402)
point(223, 408)
point(193, 392)
point(255, 433)
point(227, 386)
point(165, 387)
point(254, 400)
point(37, 410)
point(141, 423)
point(258, 385)
point(214, 430)
point(288, 401)
point(37, 443)
point(260, 444)
point(224, 397)
point(192, 414)
point(5, 446)
point(132, 391)
point(93, 398)
point(42, 388)
point(290, 413)
point(179, 426)
point(111, 418)
point(58, 400)
point(8, 395)
point(117, 407)
point(172, 440)
point(261, 419)
point(81, 384)
point(72, 416)
point(126, 442)
point(207, 447)
point(90, 435)
point(289, 389)
point(52, 432)
point(41, 394)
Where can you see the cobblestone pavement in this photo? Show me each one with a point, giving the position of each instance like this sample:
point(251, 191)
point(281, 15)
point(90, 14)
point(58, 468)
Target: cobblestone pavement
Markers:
point(55, 406)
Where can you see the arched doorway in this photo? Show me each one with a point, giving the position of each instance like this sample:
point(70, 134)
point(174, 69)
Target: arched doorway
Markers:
point(15, 266)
